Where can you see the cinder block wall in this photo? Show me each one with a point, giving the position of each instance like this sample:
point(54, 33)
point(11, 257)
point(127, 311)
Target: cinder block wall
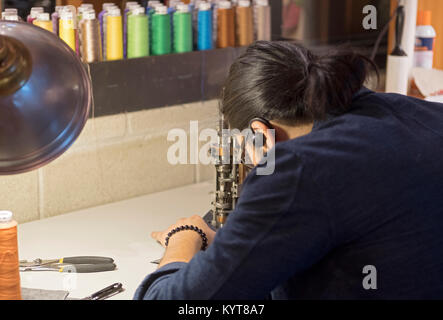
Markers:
point(115, 158)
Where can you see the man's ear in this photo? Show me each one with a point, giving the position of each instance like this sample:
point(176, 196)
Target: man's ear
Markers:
point(268, 134)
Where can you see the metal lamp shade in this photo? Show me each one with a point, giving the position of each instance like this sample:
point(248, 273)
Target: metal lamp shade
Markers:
point(45, 97)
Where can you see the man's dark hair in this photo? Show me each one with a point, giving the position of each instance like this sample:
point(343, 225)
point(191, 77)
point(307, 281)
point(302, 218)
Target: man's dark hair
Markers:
point(286, 82)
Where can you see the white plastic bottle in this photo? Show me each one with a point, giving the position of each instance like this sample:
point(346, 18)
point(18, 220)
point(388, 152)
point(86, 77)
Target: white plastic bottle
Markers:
point(424, 41)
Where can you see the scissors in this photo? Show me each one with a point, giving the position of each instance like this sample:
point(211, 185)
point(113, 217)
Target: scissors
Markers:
point(70, 264)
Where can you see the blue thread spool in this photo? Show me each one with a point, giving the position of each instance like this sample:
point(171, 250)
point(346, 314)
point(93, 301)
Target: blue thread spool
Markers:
point(205, 27)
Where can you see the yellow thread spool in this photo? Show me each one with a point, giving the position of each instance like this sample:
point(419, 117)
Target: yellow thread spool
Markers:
point(67, 28)
point(114, 35)
point(43, 21)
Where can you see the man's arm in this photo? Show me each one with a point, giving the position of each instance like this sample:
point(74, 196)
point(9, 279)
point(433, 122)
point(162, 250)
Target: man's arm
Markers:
point(276, 231)
point(185, 244)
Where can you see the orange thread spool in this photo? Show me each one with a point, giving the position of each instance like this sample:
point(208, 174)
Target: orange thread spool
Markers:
point(225, 25)
point(9, 264)
point(244, 23)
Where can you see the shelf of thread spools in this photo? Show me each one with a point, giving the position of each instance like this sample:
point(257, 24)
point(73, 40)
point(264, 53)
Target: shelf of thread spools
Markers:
point(115, 34)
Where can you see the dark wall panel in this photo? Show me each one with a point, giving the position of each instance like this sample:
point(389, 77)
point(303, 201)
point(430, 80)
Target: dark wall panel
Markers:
point(153, 82)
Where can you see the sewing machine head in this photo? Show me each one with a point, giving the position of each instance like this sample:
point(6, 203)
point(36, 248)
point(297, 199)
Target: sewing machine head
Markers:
point(231, 171)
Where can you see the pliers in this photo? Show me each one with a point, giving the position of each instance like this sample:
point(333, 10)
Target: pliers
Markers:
point(70, 264)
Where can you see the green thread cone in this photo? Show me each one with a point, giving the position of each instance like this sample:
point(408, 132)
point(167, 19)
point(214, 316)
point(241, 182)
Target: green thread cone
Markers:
point(182, 32)
point(161, 34)
point(138, 36)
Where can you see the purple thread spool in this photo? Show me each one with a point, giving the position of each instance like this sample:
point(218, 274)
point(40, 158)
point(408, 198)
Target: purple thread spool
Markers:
point(55, 17)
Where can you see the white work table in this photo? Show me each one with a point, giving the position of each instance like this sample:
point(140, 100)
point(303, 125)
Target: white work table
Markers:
point(119, 230)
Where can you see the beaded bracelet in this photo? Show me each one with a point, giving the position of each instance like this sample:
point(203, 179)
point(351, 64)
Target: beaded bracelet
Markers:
point(187, 227)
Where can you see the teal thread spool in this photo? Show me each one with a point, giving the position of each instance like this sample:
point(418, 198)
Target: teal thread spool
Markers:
point(161, 31)
point(183, 29)
point(138, 34)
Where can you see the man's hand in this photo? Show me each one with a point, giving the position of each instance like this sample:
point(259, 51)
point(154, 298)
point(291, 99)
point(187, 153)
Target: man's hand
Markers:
point(183, 245)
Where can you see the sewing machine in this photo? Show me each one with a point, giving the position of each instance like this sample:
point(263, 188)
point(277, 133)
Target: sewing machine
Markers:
point(230, 174)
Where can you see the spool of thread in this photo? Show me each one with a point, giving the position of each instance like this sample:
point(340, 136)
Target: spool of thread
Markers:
point(150, 10)
point(204, 33)
point(153, 3)
point(173, 4)
point(244, 23)
point(10, 288)
point(102, 19)
point(161, 31)
point(128, 8)
point(225, 25)
point(10, 12)
point(55, 17)
point(84, 7)
point(138, 33)
point(43, 21)
point(214, 8)
point(114, 34)
point(9, 16)
point(67, 29)
point(263, 20)
point(87, 6)
point(183, 29)
point(76, 18)
point(80, 12)
point(33, 15)
point(171, 10)
point(91, 43)
point(73, 10)
point(105, 30)
point(131, 4)
point(194, 8)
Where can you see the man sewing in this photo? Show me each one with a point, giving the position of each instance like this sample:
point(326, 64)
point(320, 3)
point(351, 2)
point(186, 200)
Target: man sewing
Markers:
point(359, 195)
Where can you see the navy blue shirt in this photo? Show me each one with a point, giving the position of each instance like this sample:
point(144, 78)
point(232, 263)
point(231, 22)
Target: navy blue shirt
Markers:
point(362, 189)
